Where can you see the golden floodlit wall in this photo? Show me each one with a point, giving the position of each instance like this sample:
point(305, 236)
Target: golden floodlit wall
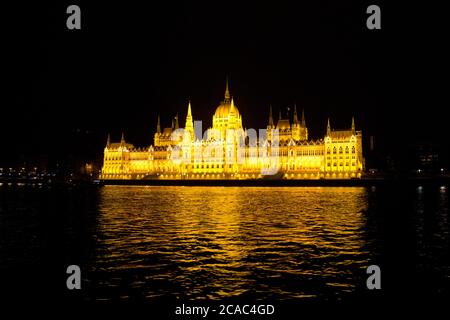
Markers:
point(227, 151)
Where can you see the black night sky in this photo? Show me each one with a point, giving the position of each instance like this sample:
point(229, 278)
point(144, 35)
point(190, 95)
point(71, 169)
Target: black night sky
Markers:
point(66, 89)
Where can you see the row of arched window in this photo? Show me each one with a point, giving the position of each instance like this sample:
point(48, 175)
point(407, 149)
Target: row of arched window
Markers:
point(341, 150)
point(113, 158)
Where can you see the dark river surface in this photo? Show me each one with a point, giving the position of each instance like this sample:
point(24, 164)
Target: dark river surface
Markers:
point(303, 245)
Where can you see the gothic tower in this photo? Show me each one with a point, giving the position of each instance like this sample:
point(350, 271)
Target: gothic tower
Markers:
point(189, 126)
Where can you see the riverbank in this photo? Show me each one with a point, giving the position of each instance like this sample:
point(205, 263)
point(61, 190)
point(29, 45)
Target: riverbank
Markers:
point(418, 181)
point(283, 182)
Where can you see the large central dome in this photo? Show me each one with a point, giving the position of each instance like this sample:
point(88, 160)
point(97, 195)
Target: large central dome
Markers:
point(226, 116)
point(224, 109)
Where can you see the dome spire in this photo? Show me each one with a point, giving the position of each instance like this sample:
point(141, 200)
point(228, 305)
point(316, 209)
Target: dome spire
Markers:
point(227, 91)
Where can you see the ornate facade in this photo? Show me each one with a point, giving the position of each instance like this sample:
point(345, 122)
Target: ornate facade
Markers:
point(228, 151)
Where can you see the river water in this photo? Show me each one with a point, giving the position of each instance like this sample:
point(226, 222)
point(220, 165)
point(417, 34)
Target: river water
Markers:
point(156, 244)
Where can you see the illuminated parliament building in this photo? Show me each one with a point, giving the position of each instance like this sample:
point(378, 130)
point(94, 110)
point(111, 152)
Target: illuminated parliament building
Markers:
point(229, 151)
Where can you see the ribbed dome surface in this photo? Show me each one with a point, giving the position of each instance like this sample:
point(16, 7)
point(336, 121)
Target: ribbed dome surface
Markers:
point(223, 110)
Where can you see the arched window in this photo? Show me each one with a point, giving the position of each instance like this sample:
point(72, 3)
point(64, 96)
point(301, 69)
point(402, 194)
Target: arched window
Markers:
point(353, 149)
point(346, 149)
point(340, 149)
point(334, 150)
point(328, 150)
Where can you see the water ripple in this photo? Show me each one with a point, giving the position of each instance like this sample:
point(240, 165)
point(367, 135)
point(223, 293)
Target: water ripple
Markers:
point(217, 242)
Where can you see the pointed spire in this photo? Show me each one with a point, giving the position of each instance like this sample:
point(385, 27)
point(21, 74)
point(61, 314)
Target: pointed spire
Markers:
point(189, 126)
point(158, 126)
point(270, 117)
point(303, 118)
point(227, 91)
point(189, 114)
point(328, 127)
point(108, 140)
point(232, 110)
point(122, 140)
point(295, 114)
point(353, 124)
point(176, 121)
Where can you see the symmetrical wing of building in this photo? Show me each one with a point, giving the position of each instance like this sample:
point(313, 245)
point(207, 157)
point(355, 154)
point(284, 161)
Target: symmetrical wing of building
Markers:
point(228, 151)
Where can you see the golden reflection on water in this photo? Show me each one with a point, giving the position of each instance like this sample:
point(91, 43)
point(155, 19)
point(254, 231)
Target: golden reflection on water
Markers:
point(216, 242)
